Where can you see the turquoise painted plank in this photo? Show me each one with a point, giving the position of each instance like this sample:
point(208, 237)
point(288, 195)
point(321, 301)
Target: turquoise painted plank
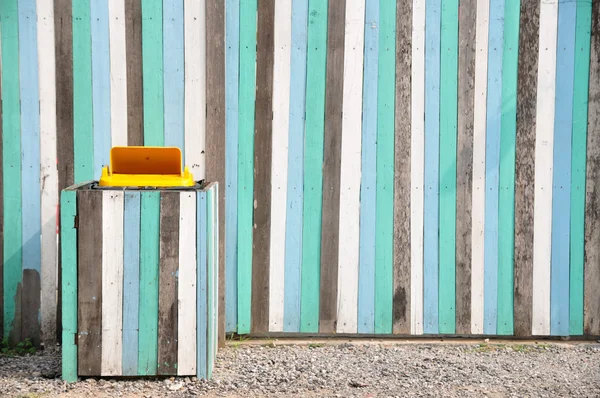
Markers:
point(232, 59)
point(313, 165)
point(173, 73)
point(561, 190)
point(492, 165)
point(293, 221)
point(384, 227)
point(11, 161)
point(368, 178)
point(210, 276)
point(68, 242)
point(131, 281)
point(149, 254)
point(83, 122)
point(245, 210)
point(578, 159)
point(433, 11)
point(201, 285)
point(506, 204)
point(152, 72)
point(100, 84)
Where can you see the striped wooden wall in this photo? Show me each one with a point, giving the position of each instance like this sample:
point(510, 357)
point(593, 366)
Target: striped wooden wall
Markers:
point(140, 282)
point(413, 167)
point(81, 76)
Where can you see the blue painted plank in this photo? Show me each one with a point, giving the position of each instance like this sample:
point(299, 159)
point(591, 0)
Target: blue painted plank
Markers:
point(368, 183)
point(492, 166)
point(561, 190)
point(131, 281)
point(295, 197)
point(433, 15)
point(173, 69)
point(232, 63)
point(201, 286)
point(100, 84)
point(30, 136)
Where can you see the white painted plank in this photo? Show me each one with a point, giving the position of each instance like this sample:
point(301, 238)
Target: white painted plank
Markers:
point(544, 147)
point(48, 169)
point(112, 282)
point(281, 119)
point(186, 301)
point(478, 195)
point(118, 73)
point(417, 167)
point(195, 87)
point(350, 168)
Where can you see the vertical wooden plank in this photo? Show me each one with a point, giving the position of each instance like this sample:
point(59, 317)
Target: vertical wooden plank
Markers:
point(215, 126)
point(293, 220)
point(524, 166)
point(195, 86)
point(464, 161)
point(479, 168)
point(131, 282)
point(368, 182)
point(149, 261)
point(281, 123)
point(11, 169)
point(133, 46)
point(210, 276)
point(544, 145)
point(48, 169)
point(118, 73)
point(232, 25)
point(350, 168)
point(89, 282)
point(152, 72)
point(216, 274)
point(186, 301)
point(580, 118)
point(1, 202)
point(68, 242)
point(168, 267)
point(173, 74)
point(201, 285)
point(331, 166)
point(417, 164)
point(262, 167)
point(433, 12)
point(591, 305)
point(100, 84)
point(112, 283)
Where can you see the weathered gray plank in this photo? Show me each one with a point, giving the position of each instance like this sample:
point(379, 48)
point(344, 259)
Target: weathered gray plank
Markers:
point(31, 303)
point(133, 43)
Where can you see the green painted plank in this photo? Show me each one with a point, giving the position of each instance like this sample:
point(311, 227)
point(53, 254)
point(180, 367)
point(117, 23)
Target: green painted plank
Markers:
point(149, 256)
point(11, 166)
point(313, 165)
point(448, 135)
point(506, 202)
point(211, 264)
point(384, 212)
point(68, 241)
point(578, 169)
point(83, 123)
point(246, 160)
point(152, 72)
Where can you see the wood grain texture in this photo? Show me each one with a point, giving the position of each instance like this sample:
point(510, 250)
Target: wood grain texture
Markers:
point(591, 309)
point(525, 165)
point(89, 282)
point(464, 163)
point(215, 127)
point(168, 274)
point(262, 167)
point(118, 72)
point(30, 306)
point(68, 243)
point(133, 45)
point(131, 282)
point(152, 71)
point(201, 287)
point(1, 208)
point(331, 166)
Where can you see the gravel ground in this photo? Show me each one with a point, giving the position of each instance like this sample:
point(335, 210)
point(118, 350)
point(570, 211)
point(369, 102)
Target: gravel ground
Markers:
point(343, 369)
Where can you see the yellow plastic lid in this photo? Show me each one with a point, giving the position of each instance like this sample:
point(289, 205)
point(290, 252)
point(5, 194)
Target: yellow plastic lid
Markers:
point(145, 166)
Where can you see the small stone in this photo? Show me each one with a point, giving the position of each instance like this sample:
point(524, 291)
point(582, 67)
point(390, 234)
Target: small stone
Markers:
point(176, 386)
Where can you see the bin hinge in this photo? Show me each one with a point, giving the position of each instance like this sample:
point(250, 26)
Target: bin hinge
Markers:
point(76, 222)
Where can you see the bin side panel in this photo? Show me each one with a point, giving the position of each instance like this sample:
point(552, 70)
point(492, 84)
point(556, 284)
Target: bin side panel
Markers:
point(89, 282)
point(210, 237)
point(167, 288)
point(68, 233)
point(201, 285)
